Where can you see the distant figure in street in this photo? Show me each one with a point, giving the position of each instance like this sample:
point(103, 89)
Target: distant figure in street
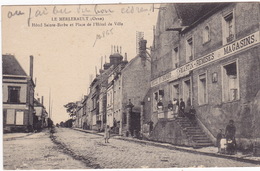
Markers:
point(150, 126)
point(50, 123)
point(107, 134)
point(219, 137)
point(182, 107)
point(230, 137)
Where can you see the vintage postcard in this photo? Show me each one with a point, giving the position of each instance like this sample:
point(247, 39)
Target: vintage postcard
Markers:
point(131, 86)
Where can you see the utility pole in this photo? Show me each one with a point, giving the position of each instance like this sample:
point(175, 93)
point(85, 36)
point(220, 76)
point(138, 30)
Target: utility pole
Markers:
point(50, 103)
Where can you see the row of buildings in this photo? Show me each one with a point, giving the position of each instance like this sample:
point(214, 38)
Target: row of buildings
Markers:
point(21, 110)
point(205, 53)
point(119, 83)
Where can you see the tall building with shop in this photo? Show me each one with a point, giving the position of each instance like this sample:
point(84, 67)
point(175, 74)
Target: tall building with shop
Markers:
point(18, 96)
point(208, 55)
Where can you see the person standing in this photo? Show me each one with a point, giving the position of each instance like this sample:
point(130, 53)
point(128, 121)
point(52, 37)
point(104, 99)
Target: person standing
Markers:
point(192, 115)
point(176, 112)
point(182, 107)
point(230, 137)
point(219, 137)
point(170, 110)
point(160, 106)
point(107, 134)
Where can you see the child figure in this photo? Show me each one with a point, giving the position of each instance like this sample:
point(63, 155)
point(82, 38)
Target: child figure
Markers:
point(219, 137)
point(107, 134)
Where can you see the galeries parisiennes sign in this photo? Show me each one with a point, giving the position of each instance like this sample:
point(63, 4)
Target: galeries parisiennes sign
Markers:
point(223, 52)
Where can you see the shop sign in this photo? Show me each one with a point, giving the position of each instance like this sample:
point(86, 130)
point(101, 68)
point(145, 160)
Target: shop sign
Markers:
point(213, 56)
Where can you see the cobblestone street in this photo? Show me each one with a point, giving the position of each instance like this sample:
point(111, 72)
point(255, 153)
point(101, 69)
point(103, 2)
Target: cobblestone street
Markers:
point(72, 149)
point(123, 154)
point(35, 151)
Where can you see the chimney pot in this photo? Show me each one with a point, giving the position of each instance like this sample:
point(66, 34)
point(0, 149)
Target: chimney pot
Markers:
point(31, 66)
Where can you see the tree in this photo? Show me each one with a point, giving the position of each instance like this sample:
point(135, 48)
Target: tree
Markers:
point(71, 108)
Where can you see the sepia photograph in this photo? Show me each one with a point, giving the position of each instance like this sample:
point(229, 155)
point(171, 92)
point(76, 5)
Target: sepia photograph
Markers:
point(170, 85)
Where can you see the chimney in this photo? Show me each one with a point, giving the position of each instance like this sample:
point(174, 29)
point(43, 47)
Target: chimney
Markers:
point(125, 56)
point(42, 100)
point(31, 66)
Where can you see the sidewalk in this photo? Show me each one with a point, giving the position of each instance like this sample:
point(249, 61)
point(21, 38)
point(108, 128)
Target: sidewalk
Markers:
point(210, 151)
point(11, 136)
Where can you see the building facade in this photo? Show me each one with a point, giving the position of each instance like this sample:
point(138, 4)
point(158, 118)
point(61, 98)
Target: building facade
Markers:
point(208, 55)
point(18, 96)
point(41, 114)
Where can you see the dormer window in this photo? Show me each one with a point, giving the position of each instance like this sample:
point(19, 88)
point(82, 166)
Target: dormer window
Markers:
point(206, 34)
point(189, 49)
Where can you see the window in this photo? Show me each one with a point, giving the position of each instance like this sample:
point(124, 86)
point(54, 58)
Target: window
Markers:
point(228, 28)
point(19, 118)
point(175, 58)
point(189, 50)
point(10, 116)
point(206, 35)
point(202, 89)
point(108, 99)
point(230, 84)
point(175, 91)
point(13, 94)
point(111, 98)
point(94, 120)
point(94, 103)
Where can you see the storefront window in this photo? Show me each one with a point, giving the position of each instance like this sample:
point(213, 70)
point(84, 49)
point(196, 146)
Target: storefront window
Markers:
point(230, 87)
point(202, 89)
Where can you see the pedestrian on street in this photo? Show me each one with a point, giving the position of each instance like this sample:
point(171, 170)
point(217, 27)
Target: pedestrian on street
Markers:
point(219, 137)
point(107, 134)
point(182, 107)
point(230, 137)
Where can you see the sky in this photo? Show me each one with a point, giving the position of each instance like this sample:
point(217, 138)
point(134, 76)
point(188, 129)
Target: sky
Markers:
point(66, 52)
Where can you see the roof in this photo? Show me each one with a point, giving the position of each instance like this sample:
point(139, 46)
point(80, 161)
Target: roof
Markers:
point(191, 12)
point(116, 55)
point(11, 66)
point(37, 103)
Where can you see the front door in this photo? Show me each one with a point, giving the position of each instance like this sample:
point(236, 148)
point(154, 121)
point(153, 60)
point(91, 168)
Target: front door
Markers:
point(135, 126)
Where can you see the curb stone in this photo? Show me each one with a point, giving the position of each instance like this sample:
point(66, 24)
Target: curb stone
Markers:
point(172, 147)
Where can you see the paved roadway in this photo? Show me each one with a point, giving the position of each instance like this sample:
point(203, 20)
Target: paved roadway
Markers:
point(35, 151)
point(73, 149)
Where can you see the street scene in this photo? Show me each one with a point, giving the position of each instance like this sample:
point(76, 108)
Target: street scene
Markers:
point(117, 86)
point(71, 149)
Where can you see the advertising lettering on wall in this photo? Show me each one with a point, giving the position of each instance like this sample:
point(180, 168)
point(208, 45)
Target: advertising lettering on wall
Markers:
point(234, 47)
point(240, 44)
